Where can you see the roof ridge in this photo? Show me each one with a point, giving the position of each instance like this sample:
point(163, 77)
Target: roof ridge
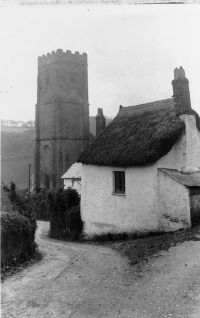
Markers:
point(148, 107)
point(149, 103)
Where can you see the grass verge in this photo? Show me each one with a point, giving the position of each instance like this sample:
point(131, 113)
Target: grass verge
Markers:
point(141, 249)
point(16, 265)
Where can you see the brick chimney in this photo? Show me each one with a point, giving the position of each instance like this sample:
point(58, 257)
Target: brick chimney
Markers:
point(100, 121)
point(181, 92)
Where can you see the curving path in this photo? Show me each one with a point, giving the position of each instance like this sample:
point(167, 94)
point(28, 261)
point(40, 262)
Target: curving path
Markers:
point(84, 280)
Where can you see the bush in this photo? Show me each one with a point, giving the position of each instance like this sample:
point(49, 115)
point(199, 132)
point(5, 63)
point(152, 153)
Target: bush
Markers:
point(40, 205)
point(21, 202)
point(18, 224)
point(65, 218)
point(16, 237)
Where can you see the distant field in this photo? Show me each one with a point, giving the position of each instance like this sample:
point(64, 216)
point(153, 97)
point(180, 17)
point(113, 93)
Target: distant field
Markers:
point(18, 130)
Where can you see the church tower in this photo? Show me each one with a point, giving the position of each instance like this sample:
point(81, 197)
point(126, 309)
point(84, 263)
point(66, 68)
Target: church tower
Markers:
point(62, 115)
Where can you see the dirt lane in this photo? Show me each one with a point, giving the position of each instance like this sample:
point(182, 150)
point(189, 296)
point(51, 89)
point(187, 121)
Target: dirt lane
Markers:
point(83, 280)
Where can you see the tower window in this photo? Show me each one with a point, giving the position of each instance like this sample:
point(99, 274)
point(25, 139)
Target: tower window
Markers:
point(46, 148)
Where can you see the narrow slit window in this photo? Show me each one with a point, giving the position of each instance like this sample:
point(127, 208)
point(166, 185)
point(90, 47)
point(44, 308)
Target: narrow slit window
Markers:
point(119, 182)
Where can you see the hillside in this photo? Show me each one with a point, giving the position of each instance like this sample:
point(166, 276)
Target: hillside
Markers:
point(17, 152)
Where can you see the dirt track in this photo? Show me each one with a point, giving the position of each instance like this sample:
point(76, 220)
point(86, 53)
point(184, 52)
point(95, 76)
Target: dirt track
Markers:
point(84, 280)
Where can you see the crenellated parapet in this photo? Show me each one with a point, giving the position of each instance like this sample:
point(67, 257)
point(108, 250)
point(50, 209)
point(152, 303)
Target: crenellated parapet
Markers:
point(62, 56)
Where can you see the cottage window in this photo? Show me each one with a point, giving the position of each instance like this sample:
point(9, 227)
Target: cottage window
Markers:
point(119, 182)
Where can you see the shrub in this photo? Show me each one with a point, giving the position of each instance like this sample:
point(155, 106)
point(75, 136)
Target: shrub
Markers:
point(65, 218)
point(21, 202)
point(18, 225)
point(39, 203)
point(16, 237)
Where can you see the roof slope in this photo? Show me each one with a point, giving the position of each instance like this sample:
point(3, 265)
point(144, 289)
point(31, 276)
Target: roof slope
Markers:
point(138, 135)
point(188, 179)
point(75, 171)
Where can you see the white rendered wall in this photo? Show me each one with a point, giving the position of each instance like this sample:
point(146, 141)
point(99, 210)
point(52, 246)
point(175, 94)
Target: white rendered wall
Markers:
point(192, 142)
point(174, 204)
point(74, 184)
point(186, 151)
point(105, 212)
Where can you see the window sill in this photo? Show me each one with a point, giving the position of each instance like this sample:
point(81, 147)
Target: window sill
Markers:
point(118, 193)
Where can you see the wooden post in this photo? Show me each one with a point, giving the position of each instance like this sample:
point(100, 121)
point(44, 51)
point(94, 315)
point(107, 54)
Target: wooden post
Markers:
point(29, 177)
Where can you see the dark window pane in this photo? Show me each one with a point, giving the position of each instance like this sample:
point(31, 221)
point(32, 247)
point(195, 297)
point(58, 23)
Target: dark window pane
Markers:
point(119, 181)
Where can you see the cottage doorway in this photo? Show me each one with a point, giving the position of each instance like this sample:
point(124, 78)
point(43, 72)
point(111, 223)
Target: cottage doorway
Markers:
point(195, 205)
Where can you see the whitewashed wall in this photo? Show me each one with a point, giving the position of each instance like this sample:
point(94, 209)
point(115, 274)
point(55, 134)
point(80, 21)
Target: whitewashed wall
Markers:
point(105, 212)
point(174, 204)
point(74, 184)
point(192, 142)
point(72, 177)
point(186, 151)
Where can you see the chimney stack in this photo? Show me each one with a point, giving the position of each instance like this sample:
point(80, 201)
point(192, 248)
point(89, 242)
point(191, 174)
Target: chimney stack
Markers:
point(100, 121)
point(181, 92)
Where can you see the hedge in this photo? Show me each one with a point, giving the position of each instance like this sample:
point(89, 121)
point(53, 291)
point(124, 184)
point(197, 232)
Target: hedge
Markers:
point(18, 225)
point(39, 204)
point(17, 237)
point(65, 218)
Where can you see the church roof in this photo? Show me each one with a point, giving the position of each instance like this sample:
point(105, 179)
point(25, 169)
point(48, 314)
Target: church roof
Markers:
point(75, 171)
point(138, 135)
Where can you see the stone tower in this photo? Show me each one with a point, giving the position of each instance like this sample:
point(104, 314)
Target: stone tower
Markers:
point(62, 115)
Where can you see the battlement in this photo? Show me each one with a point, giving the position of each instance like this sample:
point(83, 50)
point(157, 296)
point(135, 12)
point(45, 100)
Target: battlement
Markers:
point(60, 55)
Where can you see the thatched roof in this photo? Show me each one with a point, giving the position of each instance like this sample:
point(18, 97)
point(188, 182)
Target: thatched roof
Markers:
point(138, 135)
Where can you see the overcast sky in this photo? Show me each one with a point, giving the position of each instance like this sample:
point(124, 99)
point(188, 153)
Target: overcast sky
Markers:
point(132, 51)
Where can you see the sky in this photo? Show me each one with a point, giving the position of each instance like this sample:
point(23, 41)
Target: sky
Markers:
point(132, 52)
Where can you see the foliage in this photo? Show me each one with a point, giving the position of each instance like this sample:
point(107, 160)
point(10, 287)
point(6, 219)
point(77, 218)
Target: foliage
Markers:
point(33, 205)
point(17, 237)
point(18, 248)
point(40, 206)
point(21, 203)
point(65, 219)
point(18, 225)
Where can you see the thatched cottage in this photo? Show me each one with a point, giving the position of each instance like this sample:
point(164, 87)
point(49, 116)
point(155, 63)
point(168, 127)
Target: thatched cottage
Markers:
point(142, 172)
